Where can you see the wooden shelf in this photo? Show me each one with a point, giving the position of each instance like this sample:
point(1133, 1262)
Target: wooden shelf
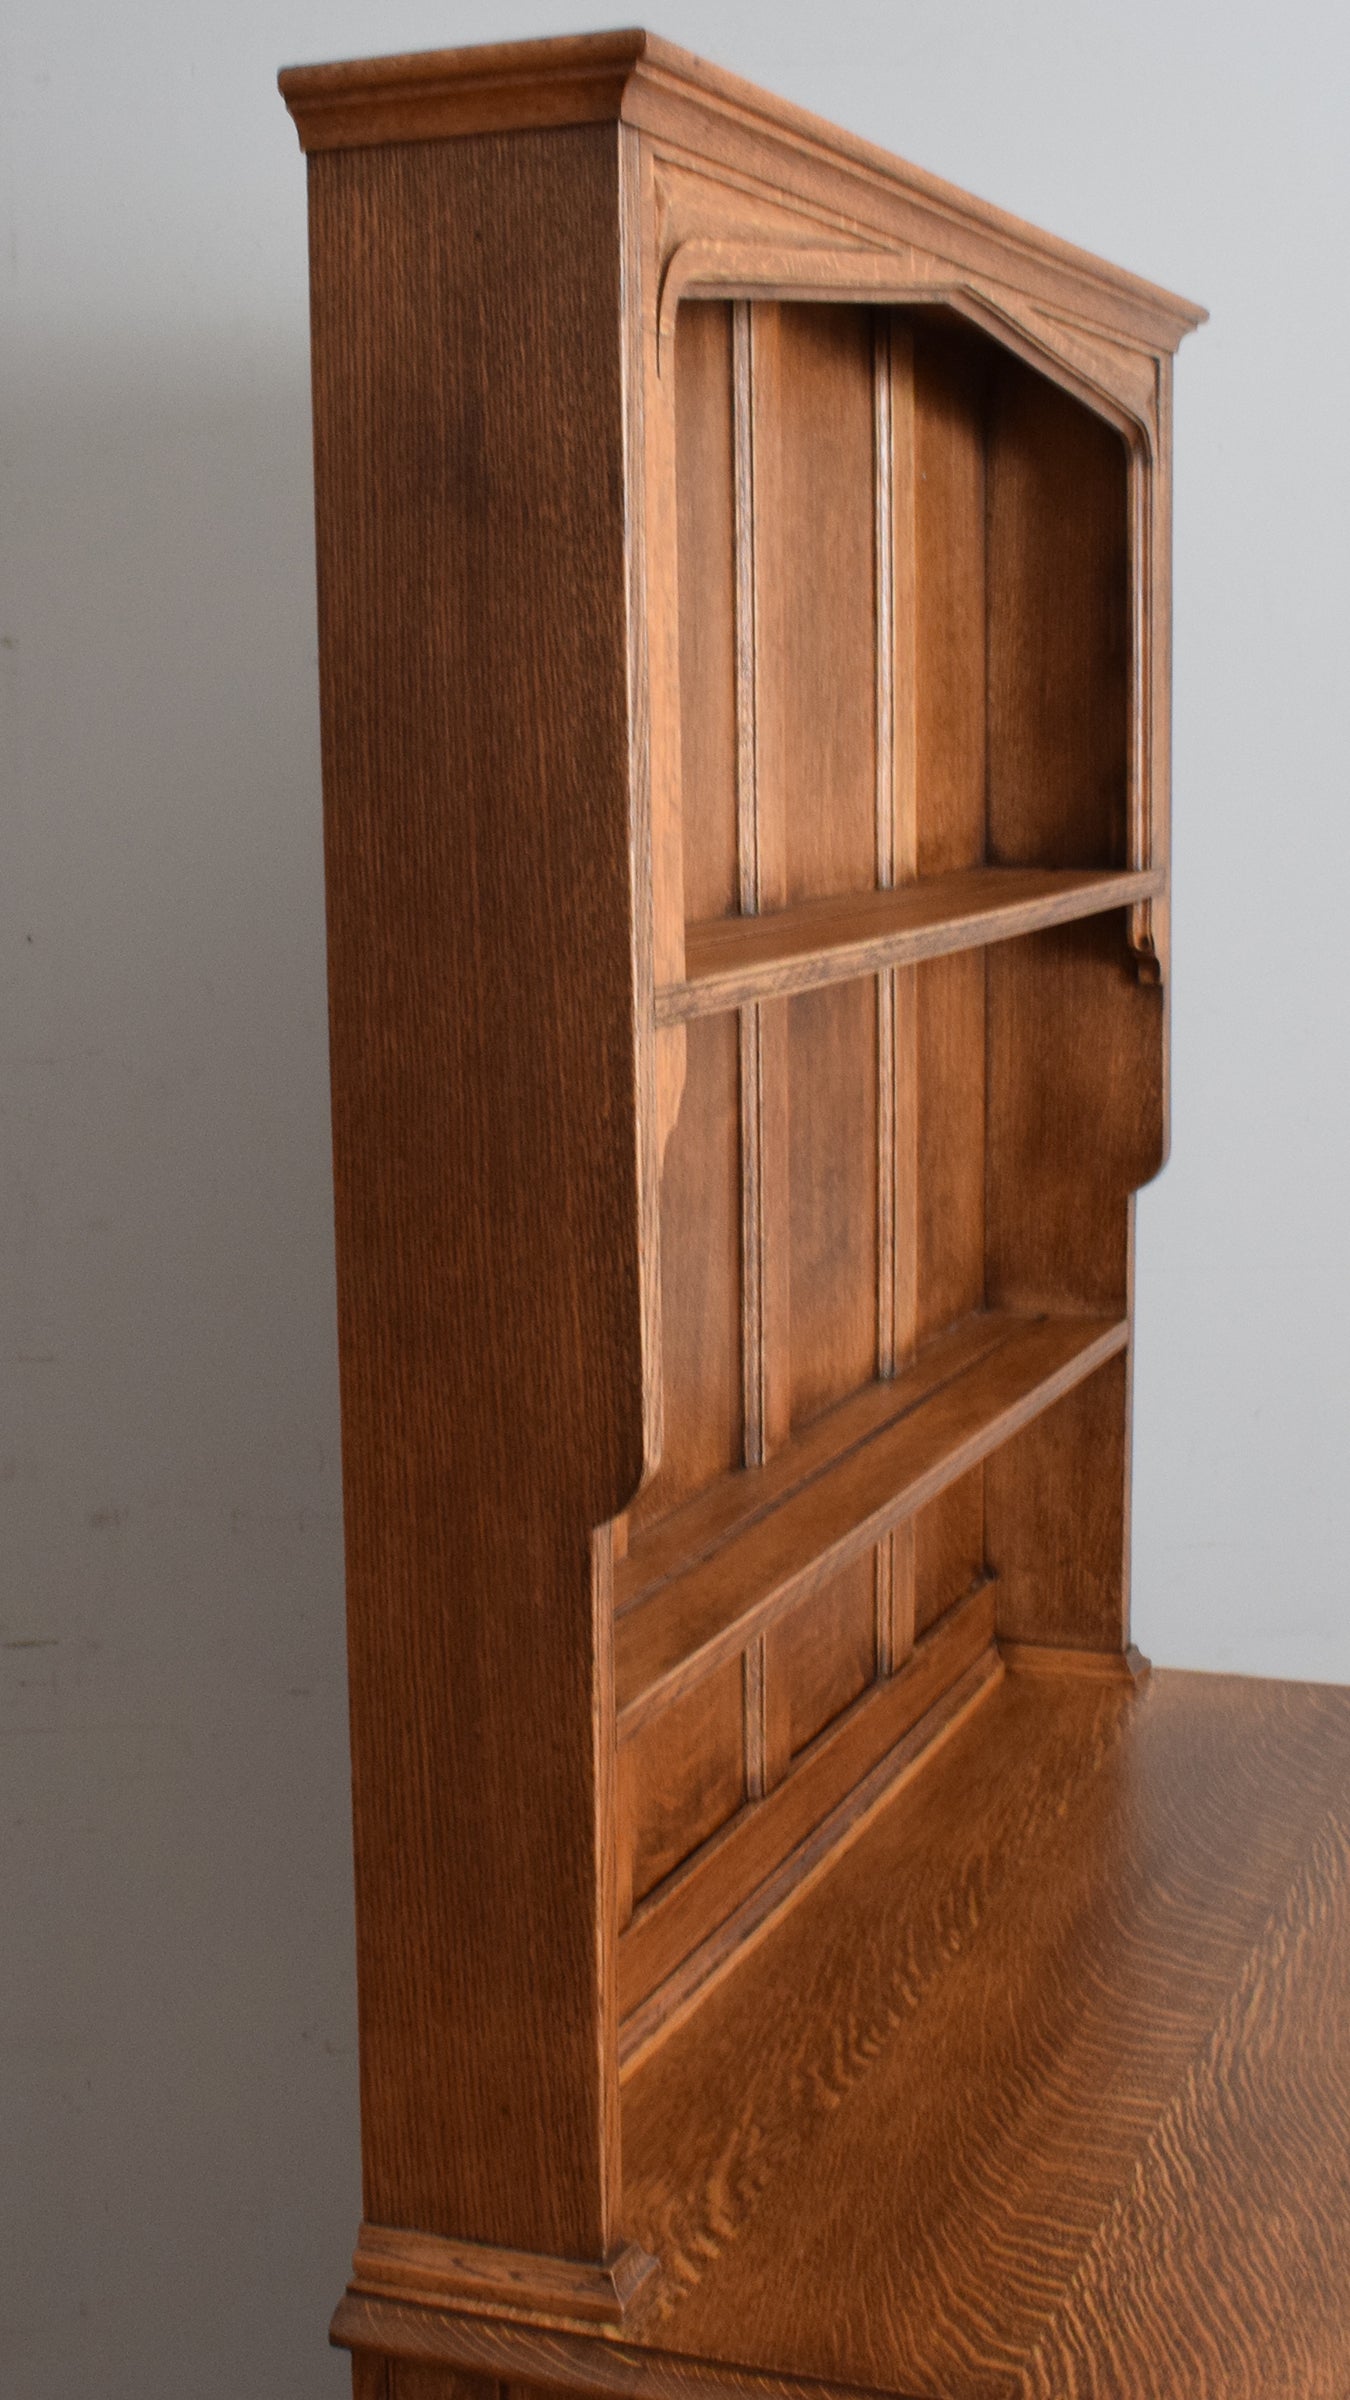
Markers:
point(684, 1930)
point(710, 1576)
point(732, 960)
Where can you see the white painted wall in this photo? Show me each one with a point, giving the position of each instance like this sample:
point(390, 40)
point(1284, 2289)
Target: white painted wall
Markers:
point(178, 2186)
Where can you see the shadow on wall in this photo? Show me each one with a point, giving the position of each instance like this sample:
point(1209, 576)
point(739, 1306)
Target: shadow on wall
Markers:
point(177, 2009)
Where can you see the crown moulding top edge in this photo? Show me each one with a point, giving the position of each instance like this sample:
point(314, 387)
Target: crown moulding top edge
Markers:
point(626, 76)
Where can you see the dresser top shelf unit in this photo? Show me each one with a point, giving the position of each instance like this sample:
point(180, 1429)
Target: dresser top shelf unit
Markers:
point(787, 1912)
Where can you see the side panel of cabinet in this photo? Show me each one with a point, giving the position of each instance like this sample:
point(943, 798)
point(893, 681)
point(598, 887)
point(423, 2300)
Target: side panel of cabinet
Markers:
point(1075, 1044)
point(470, 471)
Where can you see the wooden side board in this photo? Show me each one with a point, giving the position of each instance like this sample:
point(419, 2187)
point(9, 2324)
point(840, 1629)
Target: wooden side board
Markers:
point(482, 946)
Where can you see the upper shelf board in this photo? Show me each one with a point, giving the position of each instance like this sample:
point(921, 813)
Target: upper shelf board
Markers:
point(732, 960)
point(636, 78)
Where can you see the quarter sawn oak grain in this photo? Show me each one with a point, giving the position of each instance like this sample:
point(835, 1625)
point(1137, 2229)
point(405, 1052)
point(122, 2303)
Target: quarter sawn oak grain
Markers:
point(730, 961)
point(800, 1951)
point(1058, 2096)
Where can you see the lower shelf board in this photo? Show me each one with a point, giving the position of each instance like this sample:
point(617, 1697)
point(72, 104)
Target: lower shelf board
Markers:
point(1043, 2089)
point(705, 1580)
point(691, 1924)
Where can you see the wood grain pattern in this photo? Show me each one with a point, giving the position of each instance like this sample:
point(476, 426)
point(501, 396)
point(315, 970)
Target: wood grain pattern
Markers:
point(794, 1827)
point(820, 1657)
point(493, 87)
point(1093, 1961)
point(951, 732)
point(1062, 1166)
point(762, 882)
point(1058, 628)
point(393, 2265)
point(708, 567)
point(701, 1265)
point(477, 777)
point(951, 1077)
point(815, 543)
point(681, 1775)
point(430, 95)
point(832, 1197)
point(949, 1548)
point(694, 1531)
point(1242, 2187)
point(731, 960)
point(1057, 2100)
point(412, 2379)
point(666, 1642)
point(1056, 1521)
point(743, 602)
point(425, 2346)
point(1093, 1666)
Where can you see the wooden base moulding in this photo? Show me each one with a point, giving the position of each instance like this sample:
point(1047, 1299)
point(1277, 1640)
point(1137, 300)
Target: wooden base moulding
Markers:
point(391, 2264)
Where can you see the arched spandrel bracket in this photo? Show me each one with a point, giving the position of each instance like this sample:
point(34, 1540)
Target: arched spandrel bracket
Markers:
point(707, 269)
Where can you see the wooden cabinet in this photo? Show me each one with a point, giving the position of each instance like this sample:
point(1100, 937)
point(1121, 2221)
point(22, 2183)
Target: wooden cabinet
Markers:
point(743, 576)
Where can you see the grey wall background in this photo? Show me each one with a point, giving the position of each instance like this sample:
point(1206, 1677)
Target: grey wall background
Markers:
point(178, 2177)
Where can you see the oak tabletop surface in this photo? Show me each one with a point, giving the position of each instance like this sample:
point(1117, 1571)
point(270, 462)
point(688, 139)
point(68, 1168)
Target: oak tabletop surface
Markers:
point(1045, 2088)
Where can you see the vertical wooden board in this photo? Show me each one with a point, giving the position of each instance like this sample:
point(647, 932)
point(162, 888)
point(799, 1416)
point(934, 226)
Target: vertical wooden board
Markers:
point(681, 1776)
point(951, 1138)
point(1057, 1518)
point(818, 1659)
point(707, 589)
point(416, 2379)
point(950, 373)
point(370, 2376)
point(1058, 628)
point(1075, 1115)
point(832, 1148)
point(815, 538)
point(775, 1223)
point(700, 1276)
point(896, 1598)
point(897, 599)
point(897, 862)
point(472, 543)
point(948, 1548)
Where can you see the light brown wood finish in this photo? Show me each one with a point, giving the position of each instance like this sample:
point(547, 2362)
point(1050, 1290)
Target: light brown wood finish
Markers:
point(1008, 2070)
point(743, 613)
point(775, 1551)
point(691, 1925)
point(1057, 2100)
point(732, 960)
point(669, 93)
point(484, 1437)
point(394, 2265)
